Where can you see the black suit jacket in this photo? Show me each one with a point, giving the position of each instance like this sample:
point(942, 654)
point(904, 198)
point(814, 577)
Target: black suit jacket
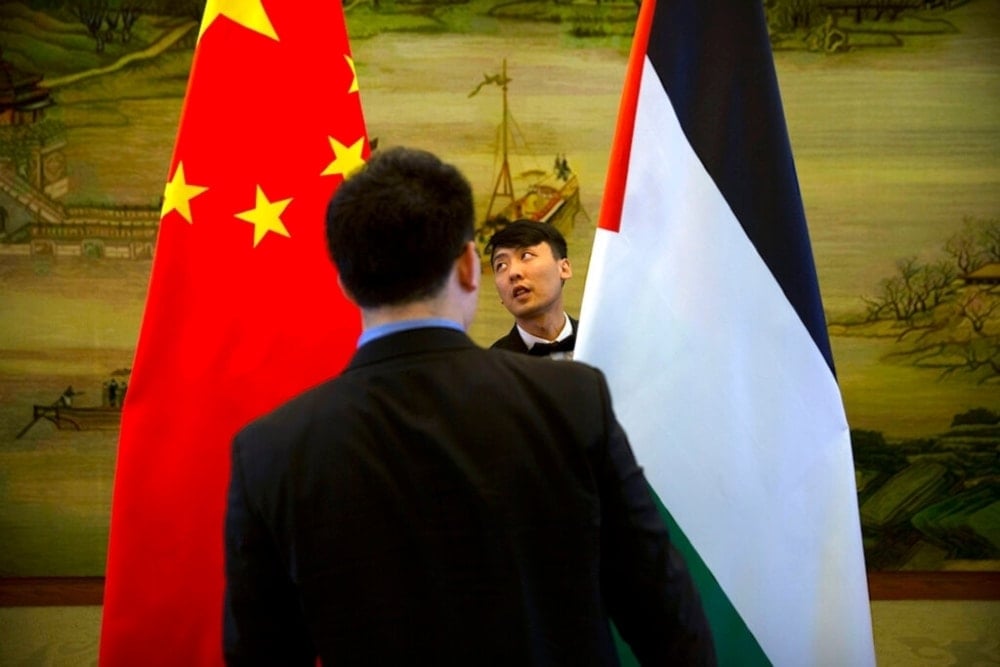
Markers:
point(442, 504)
point(513, 341)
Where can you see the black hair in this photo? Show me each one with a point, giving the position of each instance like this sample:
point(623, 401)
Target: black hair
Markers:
point(395, 227)
point(526, 233)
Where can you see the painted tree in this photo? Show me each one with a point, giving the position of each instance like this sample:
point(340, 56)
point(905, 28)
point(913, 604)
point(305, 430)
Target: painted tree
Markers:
point(92, 13)
point(949, 321)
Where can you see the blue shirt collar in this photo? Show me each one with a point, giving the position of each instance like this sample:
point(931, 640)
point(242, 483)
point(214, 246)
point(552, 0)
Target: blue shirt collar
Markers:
point(383, 330)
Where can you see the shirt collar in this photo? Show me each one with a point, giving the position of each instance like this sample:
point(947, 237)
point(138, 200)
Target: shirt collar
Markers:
point(389, 328)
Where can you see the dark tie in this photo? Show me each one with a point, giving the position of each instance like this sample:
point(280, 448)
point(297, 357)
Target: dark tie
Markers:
point(545, 349)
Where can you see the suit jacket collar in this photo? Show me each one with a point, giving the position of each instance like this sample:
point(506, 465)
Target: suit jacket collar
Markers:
point(411, 341)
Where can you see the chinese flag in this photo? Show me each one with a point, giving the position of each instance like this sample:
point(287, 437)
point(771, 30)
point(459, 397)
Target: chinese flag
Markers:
point(243, 309)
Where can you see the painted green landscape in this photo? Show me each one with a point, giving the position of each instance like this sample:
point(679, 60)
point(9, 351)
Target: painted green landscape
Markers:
point(893, 121)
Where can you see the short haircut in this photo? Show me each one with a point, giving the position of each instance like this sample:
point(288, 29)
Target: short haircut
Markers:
point(396, 226)
point(526, 233)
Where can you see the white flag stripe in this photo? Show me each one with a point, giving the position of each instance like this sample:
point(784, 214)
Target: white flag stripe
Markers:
point(729, 405)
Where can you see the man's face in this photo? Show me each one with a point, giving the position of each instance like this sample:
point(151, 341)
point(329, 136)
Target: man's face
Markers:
point(529, 280)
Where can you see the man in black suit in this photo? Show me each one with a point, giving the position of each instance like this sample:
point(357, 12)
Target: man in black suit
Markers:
point(438, 503)
point(530, 266)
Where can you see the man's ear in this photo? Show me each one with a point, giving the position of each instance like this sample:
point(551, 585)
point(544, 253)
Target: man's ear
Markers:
point(565, 268)
point(347, 292)
point(470, 271)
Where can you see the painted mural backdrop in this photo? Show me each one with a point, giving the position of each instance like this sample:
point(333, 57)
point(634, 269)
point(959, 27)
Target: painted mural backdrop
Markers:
point(892, 111)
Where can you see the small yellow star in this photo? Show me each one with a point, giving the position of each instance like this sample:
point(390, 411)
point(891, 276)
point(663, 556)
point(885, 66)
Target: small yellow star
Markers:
point(178, 194)
point(354, 72)
point(248, 13)
point(266, 217)
point(346, 159)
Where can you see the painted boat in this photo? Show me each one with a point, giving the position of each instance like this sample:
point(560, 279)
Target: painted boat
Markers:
point(67, 416)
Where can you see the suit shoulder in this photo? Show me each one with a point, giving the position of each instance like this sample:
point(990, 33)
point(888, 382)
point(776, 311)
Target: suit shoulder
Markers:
point(560, 372)
point(291, 418)
point(510, 341)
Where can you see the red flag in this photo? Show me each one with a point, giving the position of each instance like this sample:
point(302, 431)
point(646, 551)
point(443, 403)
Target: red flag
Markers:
point(243, 309)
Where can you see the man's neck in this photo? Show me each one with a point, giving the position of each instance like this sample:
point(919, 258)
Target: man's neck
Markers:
point(455, 301)
point(434, 308)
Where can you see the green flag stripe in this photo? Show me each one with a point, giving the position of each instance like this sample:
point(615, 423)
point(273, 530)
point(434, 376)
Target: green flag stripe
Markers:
point(734, 643)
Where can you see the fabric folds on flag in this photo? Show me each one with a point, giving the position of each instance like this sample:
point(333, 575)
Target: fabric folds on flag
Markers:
point(243, 309)
point(702, 307)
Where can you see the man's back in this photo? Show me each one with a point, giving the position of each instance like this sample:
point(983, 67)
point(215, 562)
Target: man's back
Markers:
point(503, 534)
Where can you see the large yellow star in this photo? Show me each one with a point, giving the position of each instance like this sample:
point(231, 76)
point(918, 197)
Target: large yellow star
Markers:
point(346, 159)
point(265, 217)
point(178, 194)
point(354, 74)
point(248, 13)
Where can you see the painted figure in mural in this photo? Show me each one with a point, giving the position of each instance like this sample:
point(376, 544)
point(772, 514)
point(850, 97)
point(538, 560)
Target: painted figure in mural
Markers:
point(530, 266)
point(113, 393)
point(423, 507)
point(66, 400)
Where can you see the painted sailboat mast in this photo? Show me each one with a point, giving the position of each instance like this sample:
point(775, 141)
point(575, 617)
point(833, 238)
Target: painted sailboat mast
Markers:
point(504, 187)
